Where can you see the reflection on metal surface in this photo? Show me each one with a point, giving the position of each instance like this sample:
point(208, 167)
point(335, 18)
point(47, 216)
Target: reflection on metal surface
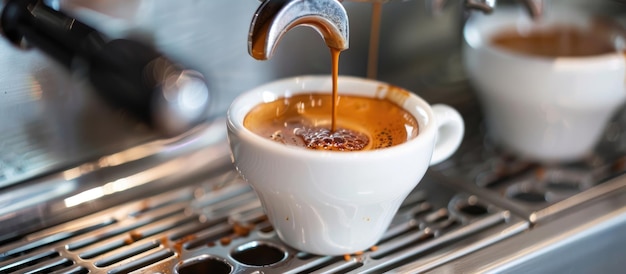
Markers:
point(218, 224)
point(590, 240)
point(129, 174)
point(123, 184)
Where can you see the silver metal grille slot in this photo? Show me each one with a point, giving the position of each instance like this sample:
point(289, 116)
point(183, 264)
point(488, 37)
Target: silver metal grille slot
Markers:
point(43, 262)
point(126, 235)
point(17, 250)
point(124, 227)
point(142, 262)
point(48, 266)
point(26, 261)
point(209, 237)
point(72, 270)
point(120, 256)
point(329, 265)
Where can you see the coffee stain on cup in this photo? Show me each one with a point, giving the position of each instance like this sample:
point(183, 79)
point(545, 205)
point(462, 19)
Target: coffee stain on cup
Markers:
point(393, 94)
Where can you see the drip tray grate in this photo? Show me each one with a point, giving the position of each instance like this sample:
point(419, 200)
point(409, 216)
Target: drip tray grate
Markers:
point(538, 192)
point(218, 226)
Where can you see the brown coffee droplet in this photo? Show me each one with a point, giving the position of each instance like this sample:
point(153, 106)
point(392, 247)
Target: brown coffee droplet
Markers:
point(278, 137)
point(342, 139)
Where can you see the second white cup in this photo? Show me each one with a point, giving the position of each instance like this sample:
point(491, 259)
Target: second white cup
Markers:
point(549, 109)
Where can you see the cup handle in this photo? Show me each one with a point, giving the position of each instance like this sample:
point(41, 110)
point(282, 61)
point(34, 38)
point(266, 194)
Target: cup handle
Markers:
point(450, 130)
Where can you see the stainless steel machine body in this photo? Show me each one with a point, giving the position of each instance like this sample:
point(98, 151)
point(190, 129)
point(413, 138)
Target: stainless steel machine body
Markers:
point(87, 189)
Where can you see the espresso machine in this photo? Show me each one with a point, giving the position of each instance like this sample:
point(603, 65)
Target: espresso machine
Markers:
point(103, 172)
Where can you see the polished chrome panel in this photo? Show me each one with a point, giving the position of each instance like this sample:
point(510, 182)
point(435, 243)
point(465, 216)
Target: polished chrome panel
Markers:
point(590, 240)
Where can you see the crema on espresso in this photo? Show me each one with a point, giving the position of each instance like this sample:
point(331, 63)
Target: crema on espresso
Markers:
point(304, 120)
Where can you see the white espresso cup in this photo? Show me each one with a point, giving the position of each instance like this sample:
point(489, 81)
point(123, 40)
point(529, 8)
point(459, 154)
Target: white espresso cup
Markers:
point(332, 202)
point(547, 109)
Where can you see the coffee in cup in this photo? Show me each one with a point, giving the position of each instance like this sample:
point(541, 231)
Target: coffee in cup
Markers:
point(304, 120)
point(556, 41)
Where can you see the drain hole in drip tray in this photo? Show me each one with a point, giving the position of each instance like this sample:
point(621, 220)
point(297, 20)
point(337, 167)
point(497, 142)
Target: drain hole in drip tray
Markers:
point(259, 254)
point(563, 185)
point(474, 210)
point(205, 264)
point(530, 196)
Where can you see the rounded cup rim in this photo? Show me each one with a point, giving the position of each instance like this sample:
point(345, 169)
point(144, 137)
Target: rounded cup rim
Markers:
point(235, 118)
point(508, 20)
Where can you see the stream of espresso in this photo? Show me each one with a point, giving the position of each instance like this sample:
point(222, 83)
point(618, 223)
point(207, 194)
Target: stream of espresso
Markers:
point(372, 58)
point(335, 75)
point(372, 55)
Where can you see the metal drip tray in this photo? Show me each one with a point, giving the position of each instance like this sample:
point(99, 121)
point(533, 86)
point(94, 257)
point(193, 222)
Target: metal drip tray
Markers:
point(538, 192)
point(218, 226)
point(177, 206)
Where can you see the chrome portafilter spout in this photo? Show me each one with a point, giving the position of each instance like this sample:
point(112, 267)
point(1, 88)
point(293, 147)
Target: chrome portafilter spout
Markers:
point(275, 17)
